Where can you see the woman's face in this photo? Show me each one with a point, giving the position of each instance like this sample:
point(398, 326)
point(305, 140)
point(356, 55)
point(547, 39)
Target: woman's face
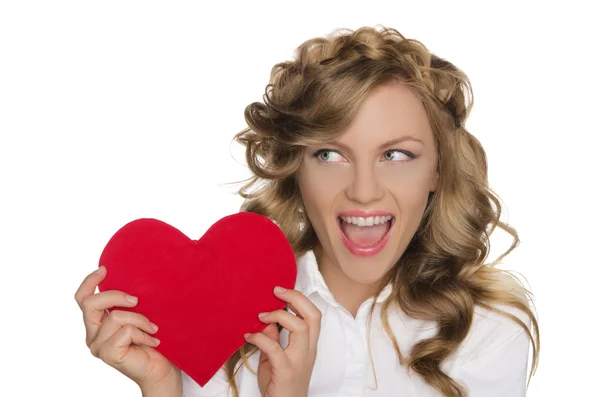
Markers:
point(385, 162)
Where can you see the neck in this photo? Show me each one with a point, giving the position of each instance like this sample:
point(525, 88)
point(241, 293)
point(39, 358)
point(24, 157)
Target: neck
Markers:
point(347, 292)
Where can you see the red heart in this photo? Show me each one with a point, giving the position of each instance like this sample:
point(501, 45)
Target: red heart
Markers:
point(203, 294)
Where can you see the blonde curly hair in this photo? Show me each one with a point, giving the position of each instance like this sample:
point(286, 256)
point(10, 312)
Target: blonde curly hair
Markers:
point(442, 275)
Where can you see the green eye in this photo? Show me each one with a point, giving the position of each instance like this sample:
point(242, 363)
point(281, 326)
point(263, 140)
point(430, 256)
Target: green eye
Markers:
point(390, 154)
point(326, 155)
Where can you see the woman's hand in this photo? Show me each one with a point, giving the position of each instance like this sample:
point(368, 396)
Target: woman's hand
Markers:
point(286, 373)
point(121, 339)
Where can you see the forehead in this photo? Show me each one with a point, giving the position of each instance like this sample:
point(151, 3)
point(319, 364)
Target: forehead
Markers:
point(388, 112)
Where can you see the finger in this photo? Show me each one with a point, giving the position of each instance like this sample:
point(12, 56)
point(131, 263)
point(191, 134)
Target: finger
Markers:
point(117, 319)
point(309, 312)
point(95, 309)
point(272, 349)
point(116, 347)
point(299, 335)
point(293, 310)
point(89, 284)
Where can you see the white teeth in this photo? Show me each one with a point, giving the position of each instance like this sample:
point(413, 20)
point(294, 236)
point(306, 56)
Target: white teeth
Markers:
point(369, 221)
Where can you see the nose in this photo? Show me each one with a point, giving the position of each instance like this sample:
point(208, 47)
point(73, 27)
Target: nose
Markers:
point(365, 186)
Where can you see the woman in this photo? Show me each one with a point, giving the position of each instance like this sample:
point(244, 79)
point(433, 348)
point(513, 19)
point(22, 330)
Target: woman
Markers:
point(365, 164)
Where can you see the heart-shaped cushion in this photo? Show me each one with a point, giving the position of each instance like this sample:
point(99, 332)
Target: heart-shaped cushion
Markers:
point(203, 294)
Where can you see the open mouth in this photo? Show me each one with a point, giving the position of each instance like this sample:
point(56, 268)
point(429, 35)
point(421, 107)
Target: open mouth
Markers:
point(365, 236)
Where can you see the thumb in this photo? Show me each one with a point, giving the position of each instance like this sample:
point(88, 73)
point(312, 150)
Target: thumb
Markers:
point(272, 332)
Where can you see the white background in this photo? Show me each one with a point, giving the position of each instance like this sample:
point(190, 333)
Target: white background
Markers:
point(115, 110)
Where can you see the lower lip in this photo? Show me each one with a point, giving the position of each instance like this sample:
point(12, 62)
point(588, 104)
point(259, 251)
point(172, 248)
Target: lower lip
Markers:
point(365, 251)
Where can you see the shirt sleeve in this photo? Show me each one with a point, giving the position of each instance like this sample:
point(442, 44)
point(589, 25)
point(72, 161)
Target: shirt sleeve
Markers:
point(499, 370)
point(217, 386)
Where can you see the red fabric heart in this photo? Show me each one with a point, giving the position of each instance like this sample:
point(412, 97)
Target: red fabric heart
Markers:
point(203, 294)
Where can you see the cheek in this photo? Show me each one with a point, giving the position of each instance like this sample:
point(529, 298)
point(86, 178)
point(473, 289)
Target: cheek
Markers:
point(317, 192)
point(407, 180)
point(410, 190)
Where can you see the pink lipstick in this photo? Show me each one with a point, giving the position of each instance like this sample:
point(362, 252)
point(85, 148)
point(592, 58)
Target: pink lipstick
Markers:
point(365, 250)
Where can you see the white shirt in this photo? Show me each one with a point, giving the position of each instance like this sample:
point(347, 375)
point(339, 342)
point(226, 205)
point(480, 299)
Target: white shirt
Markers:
point(491, 362)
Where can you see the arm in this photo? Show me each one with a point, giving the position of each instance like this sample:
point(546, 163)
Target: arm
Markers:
point(497, 371)
point(171, 387)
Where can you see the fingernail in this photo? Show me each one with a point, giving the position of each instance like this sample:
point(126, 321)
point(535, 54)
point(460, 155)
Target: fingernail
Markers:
point(280, 290)
point(131, 299)
point(153, 326)
point(261, 315)
point(99, 270)
point(247, 336)
point(155, 340)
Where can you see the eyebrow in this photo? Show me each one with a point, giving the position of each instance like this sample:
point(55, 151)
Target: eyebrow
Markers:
point(385, 144)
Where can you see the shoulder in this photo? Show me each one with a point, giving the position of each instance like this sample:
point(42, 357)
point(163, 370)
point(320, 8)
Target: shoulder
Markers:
point(491, 330)
point(493, 359)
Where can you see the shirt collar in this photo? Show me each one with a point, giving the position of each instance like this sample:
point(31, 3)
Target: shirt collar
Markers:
point(310, 280)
